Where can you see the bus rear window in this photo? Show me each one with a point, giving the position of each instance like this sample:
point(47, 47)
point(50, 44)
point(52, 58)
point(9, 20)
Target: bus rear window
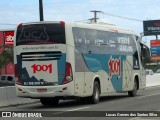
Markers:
point(40, 33)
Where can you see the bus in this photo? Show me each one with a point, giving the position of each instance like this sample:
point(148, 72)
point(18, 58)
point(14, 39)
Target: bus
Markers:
point(65, 60)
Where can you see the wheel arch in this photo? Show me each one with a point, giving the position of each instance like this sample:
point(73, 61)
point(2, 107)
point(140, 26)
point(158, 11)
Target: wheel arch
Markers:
point(136, 77)
point(96, 78)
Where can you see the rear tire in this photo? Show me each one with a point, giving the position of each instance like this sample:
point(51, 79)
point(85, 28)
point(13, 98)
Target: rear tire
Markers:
point(94, 99)
point(134, 91)
point(49, 101)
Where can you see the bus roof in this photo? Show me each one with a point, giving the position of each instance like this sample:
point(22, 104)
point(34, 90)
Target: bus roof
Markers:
point(108, 27)
point(99, 26)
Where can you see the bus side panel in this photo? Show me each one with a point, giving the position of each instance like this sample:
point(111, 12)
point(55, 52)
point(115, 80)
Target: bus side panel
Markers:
point(91, 67)
point(94, 64)
point(105, 82)
point(127, 75)
point(79, 74)
point(112, 65)
point(142, 83)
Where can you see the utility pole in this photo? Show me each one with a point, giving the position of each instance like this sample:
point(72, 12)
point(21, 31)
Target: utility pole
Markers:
point(95, 15)
point(41, 10)
point(156, 37)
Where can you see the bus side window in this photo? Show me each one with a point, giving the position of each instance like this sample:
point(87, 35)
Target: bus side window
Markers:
point(135, 55)
point(135, 60)
point(145, 54)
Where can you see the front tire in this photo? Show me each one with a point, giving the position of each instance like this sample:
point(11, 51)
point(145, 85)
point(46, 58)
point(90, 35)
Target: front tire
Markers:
point(49, 101)
point(94, 99)
point(134, 91)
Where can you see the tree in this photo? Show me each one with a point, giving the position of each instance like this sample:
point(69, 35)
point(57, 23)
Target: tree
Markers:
point(6, 56)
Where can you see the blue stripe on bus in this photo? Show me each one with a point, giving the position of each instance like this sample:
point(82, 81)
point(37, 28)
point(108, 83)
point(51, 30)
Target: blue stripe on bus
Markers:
point(61, 64)
point(97, 62)
point(61, 68)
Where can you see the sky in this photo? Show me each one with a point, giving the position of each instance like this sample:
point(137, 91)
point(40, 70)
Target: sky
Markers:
point(13, 12)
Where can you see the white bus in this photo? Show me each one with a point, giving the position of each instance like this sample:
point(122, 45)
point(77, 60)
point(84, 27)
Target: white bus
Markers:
point(57, 60)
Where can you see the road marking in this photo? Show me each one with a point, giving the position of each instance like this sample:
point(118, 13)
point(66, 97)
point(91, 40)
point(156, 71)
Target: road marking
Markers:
point(135, 118)
point(78, 109)
point(148, 95)
point(71, 110)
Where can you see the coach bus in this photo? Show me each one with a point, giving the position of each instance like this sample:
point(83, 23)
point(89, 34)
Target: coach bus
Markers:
point(57, 60)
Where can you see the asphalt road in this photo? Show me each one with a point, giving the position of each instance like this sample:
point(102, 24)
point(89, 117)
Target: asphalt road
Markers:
point(146, 100)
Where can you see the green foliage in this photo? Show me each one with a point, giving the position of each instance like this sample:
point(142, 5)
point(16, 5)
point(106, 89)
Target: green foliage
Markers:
point(6, 56)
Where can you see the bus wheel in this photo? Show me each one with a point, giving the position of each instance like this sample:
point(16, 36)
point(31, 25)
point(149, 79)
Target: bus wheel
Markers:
point(49, 101)
point(94, 99)
point(134, 91)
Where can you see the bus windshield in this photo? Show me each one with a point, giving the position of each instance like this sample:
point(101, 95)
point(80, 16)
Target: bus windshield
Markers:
point(40, 33)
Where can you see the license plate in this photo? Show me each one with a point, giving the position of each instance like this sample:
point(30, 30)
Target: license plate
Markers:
point(42, 90)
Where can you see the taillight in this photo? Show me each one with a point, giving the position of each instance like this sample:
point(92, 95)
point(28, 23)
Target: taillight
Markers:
point(20, 25)
point(62, 22)
point(17, 75)
point(68, 75)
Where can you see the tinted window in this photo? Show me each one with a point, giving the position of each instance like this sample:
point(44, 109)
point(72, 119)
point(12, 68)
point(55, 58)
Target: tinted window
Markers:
point(30, 34)
point(147, 72)
point(80, 39)
point(10, 78)
point(126, 43)
point(3, 77)
point(103, 42)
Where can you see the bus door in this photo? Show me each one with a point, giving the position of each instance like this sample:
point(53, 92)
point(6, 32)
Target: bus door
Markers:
point(145, 58)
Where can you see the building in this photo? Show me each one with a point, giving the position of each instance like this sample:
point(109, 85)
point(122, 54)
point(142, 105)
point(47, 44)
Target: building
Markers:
point(6, 39)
